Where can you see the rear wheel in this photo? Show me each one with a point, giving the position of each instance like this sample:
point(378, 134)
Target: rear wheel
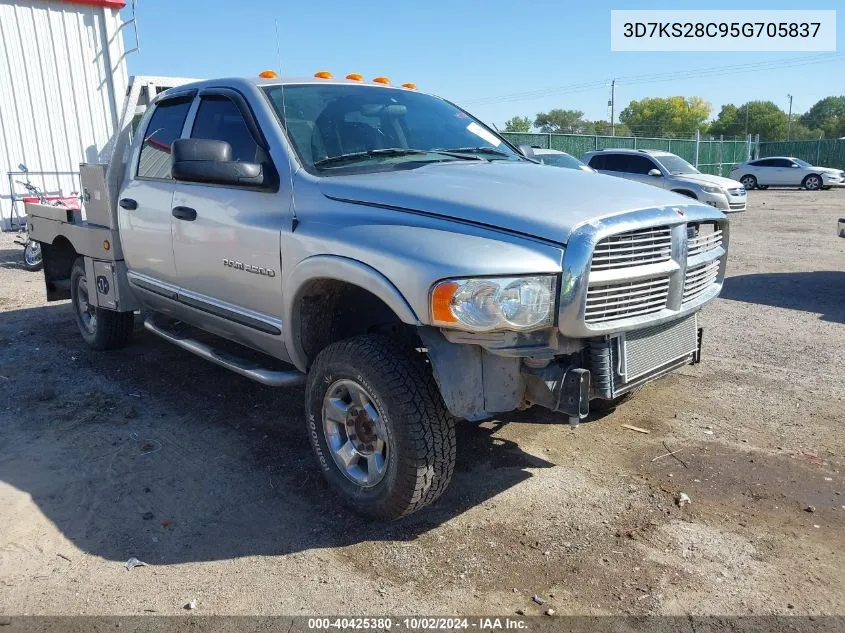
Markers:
point(749, 182)
point(812, 183)
point(378, 426)
point(101, 329)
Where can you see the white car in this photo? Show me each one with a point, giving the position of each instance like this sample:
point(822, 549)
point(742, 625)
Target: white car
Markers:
point(556, 158)
point(668, 171)
point(785, 171)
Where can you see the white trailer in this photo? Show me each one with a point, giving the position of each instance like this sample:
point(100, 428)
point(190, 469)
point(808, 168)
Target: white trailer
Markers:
point(63, 79)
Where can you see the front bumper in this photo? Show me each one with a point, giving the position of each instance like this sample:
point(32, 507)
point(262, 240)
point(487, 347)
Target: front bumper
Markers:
point(833, 180)
point(729, 203)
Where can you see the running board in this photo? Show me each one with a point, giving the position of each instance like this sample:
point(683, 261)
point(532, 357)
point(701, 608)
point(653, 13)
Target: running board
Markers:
point(240, 366)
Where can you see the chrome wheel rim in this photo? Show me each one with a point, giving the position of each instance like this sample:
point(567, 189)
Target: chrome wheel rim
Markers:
point(355, 433)
point(748, 183)
point(32, 253)
point(812, 183)
point(87, 312)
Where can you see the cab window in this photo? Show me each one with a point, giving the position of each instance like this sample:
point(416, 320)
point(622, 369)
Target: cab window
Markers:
point(164, 128)
point(219, 119)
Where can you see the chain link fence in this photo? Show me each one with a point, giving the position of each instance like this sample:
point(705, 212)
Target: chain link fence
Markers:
point(711, 156)
point(822, 152)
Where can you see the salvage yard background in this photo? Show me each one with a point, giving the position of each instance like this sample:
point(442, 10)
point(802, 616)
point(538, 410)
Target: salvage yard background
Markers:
point(152, 453)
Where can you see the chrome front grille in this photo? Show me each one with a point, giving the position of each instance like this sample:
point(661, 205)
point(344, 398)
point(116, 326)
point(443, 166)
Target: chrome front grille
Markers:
point(635, 248)
point(621, 300)
point(704, 242)
point(699, 279)
point(637, 275)
point(739, 191)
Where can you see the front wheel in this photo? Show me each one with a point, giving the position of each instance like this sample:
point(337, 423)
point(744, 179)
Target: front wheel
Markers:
point(812, 183)
point(378, 426)
point(101, 329)
point(32, 259)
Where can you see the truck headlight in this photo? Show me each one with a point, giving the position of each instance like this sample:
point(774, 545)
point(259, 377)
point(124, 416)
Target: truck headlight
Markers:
point(709, 189)
point(503, 303)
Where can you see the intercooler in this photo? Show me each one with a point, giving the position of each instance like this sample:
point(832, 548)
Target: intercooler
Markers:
point(622, 362)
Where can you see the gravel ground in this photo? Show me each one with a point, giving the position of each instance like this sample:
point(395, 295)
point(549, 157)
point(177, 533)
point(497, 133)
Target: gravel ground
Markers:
point(208, 478)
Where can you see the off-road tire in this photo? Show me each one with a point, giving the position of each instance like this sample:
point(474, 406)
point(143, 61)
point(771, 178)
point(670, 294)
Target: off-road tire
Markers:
point(751, 179)
point(812, 178)
point(112, 330)
point(421, 456)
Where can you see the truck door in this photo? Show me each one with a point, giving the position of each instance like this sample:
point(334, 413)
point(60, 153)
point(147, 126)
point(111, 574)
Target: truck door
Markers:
point(226, 239)
point(144, 205)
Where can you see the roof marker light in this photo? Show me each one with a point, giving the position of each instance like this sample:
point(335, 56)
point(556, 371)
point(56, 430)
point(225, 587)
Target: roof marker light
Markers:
point(410, 86)
point(323, 74)
point(268, 74)
point(382, 80)
point(355, 77)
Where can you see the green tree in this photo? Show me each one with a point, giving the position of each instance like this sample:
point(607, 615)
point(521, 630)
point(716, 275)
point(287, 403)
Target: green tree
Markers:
point(756, 117)
point(801, 132)
point(828, 115)
point(518, 124)
point(602, 128)
point(560, 121)
point(669, 116)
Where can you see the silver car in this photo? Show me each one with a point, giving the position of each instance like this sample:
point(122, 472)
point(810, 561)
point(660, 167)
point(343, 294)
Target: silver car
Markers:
point(668, 171)
point(785, 171)
point(556, 158)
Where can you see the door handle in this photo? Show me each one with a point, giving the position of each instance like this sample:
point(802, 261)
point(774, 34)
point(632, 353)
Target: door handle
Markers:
point(185, 213)
point(128, 203)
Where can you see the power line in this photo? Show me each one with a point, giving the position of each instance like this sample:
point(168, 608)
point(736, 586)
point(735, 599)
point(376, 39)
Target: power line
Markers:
point(716, 71)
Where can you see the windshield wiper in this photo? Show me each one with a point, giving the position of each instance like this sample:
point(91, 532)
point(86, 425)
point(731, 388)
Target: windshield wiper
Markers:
point(477, 150)
point(388, 151)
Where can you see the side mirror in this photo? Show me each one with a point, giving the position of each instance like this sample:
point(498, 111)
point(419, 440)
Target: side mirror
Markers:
point(210, 161)
point(527, 151)
point(794, 165)
point(655, 172)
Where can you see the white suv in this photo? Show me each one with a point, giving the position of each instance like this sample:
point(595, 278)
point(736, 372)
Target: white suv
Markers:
point(668, 171)
point(785, 171)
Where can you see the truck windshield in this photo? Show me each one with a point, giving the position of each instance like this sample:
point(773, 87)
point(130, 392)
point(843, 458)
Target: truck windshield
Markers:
point(342, 127)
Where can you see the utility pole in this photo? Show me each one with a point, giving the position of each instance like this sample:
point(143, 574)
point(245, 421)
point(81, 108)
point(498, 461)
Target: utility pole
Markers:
point(789, 118)
point(613, 108)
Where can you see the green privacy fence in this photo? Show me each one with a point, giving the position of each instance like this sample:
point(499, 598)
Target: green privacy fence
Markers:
point(824, 153)
point(710, 156)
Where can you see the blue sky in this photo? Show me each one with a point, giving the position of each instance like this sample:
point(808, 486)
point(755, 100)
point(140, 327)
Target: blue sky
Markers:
point(469, 51)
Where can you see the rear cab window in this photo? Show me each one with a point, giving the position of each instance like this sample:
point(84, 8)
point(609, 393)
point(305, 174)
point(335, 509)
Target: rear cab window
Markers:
point(165, 126)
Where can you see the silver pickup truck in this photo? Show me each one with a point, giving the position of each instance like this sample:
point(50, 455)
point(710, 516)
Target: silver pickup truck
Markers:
point(391, 252)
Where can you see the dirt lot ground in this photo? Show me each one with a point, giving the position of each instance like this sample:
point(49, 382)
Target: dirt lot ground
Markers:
point(152, 453)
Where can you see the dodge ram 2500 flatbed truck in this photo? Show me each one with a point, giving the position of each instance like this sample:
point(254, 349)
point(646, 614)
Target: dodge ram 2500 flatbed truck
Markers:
point(409, 264)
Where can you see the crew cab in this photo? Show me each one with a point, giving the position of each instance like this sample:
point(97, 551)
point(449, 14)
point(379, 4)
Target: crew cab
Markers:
point(391, 252)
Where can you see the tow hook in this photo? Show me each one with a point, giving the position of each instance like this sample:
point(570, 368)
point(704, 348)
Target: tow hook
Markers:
point(561, 387)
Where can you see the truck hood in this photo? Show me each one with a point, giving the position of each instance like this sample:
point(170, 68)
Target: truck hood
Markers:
point(537, 200)
point(707, 179)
